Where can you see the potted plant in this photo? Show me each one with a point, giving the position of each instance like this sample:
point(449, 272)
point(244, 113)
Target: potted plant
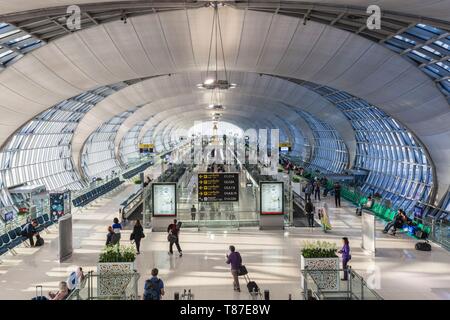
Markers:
point(321, 255)
point(115, 268)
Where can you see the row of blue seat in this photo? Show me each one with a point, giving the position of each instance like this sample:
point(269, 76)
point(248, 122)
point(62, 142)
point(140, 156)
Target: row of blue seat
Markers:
point(13, 238)
point(93, 194)
point(130, 174)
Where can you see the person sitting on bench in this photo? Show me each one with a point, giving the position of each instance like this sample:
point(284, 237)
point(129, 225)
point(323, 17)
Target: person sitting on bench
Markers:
point(369, 203)
point(398, 221)
point(29, 231)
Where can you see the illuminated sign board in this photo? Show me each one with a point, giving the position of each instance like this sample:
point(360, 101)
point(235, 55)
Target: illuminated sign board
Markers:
point(146, 147)
point(218, 187)
point(272, 198)
point(164, 199)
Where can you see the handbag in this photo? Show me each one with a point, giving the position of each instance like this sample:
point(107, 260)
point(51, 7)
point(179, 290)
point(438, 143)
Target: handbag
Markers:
point(171, 238)
point(242, 270)
point(132, 236)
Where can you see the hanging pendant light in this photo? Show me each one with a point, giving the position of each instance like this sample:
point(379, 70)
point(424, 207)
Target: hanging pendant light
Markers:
point(213, 80)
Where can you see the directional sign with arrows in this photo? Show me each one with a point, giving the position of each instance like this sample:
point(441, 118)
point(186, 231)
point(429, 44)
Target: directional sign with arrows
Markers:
point(218, 187)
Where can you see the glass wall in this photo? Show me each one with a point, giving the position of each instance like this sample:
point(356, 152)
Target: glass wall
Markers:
point(40, 152)
point(429, 48)
point(329, 152)
point(399, 167)
point(129, 150)
point(98, 158)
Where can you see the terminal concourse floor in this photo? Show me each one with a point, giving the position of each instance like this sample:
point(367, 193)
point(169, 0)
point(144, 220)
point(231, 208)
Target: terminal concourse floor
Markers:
point(272, 258)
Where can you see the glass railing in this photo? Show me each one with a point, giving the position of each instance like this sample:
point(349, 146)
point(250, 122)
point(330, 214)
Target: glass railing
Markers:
point(126, 285)
point(355, 288)
point(440, 232)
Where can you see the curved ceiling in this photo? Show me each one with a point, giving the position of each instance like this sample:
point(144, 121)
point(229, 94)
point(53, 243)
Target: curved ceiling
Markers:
point(254, 42)
point(273, 96)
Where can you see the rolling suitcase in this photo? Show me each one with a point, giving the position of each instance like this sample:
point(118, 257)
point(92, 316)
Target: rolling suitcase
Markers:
point(39, 296)
point(252, 287)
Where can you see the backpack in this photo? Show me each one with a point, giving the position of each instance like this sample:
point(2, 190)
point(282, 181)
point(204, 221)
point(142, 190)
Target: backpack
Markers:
point(423, 246)
point(152, 290)
point(39, 241)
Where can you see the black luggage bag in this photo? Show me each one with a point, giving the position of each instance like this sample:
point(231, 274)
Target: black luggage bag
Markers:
point(423, 246)
point(252, 287)
point(39, 241)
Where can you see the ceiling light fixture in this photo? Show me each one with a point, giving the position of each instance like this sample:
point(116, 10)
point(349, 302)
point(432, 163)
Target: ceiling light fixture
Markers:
point(213, 78)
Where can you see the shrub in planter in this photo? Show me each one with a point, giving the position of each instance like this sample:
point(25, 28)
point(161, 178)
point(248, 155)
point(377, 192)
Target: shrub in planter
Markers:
point(280, 170)
point(117, 253)
point(295, 179)
point(321, 256)
point(319, 249)
point(138, 181)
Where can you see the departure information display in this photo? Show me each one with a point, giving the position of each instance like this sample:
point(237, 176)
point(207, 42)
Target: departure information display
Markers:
point(272, 198)
point(164, 197)
point(218, 187)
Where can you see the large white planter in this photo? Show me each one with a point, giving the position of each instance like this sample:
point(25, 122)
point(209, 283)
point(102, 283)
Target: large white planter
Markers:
point(325, 280)
point(113, 277)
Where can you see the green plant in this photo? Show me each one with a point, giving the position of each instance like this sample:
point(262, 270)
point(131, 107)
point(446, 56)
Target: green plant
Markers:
point(117, 253)
point(280, 170)
point(319, 249)
point(295, 179)
point(138, 181)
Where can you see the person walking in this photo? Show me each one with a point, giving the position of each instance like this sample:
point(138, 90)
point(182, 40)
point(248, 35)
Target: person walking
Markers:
point(337, 194)
point(193, 212)
point(137, 235)
point(154, 287)
point(234, 259)
point(308, 191)
point(117, 227)
point(346, 256)
point(309, 209)
point(317, 189)
point(173, 231)
point(109, 236)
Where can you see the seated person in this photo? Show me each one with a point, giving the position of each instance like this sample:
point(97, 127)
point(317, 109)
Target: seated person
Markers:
point(75, 279)
point(369, 203)
point(399, 220)
point(29, 231)
point(61, 294)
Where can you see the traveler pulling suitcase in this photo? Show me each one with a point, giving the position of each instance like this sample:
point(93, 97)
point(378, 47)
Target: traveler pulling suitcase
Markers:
point(423, 246)
point(252, 287)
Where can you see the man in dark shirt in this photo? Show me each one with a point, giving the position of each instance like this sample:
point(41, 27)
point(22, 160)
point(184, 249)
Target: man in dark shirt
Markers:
point(235, 261)
point(174, 230)
point(337, 194)
point(309, 208)
point(30, 231)
point(193, 212)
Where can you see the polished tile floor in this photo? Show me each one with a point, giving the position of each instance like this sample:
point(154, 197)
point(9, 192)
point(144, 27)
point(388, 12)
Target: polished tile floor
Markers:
point(272, 258)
